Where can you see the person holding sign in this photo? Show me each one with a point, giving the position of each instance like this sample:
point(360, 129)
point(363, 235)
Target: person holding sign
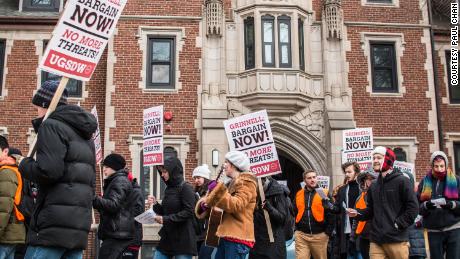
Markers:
point(346, 198)
point(175, 213)
point(277, 206)
point(64, 169)
point(392, 207)
point(236, 196)
point(117, 227)
point(314, 224)
point(439, 197)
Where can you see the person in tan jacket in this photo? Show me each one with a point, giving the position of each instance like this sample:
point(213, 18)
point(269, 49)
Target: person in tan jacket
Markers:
point(236, 196)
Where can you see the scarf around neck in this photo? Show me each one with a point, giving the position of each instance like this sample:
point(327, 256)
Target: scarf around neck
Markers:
point(450, 187)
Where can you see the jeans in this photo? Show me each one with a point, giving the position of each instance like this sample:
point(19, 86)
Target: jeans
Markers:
point(205, 252)
point(7, 251)
point(444, 242)
point(160, 255)
point(357, 255)
point(231, 250)
point(43, 252)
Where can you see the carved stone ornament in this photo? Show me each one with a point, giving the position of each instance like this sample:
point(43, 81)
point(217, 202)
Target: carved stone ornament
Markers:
point(333, 17)
point(214, 17)
point(312, 119)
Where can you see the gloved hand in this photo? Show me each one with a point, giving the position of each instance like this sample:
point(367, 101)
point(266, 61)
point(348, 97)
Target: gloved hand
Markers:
point(18, 158)
point(327, 204)
point(429, 205)
point(212, 184)
point(450, 205)
point(204, 206)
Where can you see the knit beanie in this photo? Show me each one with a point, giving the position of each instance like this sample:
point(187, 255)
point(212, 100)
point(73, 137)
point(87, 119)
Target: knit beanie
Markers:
point(439, 154)
point(45, 93)
point(202, 171)
point(114, 161)
point(238, 159)
point(389, 157)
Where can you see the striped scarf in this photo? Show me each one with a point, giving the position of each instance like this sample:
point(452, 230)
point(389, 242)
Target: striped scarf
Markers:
point(450, 188)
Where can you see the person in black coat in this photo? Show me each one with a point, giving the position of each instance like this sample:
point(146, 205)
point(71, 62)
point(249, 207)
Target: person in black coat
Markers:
point(176, 212)
point(64, 169)
point(116, 229)
point(277, 207)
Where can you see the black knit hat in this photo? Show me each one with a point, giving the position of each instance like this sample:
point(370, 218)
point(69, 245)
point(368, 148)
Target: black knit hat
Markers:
point(114, 161)
point(45, 94)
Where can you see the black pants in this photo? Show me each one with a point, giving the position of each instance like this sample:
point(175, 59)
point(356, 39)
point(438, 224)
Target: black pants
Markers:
point(447, 242)
point(364, 245)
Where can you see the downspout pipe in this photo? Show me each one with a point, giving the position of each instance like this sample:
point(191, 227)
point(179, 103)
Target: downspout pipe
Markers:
point(435, 77)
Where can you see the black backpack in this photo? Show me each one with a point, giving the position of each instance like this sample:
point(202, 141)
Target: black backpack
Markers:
point(289, 226)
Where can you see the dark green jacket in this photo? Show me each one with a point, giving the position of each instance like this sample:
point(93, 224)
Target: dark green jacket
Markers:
point(12, 231)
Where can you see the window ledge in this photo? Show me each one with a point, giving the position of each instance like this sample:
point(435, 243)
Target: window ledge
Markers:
point(387, 95)
point(370, 4)
point(450, 104)
point(169, 91)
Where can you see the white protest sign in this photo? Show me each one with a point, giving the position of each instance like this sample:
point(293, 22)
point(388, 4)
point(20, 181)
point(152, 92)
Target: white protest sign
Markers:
point(357, 147)
point(147, 217)
point(153, 136)
point(357, 140)
point(97, 138)
point(323, 181)
point(252, 134)
point(80, 37)
point(405, 168)
point(363, 158)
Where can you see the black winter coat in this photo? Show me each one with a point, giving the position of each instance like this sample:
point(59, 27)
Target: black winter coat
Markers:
point(65, 172)
point(177, 235)
point(137, 201)
point(390, 200)
point(117, 219)
point(342, 239)
point(277, 208)
point(439, 218)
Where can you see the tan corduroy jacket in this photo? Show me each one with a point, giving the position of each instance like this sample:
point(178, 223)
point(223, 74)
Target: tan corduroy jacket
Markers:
point(238, 202)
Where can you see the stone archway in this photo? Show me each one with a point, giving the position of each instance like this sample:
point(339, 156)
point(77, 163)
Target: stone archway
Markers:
point(299, 145)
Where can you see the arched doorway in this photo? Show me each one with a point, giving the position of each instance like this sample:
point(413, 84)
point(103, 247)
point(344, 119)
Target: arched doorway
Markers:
point(292, 173)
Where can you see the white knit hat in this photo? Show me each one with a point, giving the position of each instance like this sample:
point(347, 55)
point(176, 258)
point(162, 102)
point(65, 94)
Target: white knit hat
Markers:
point(203, 171)
point(238, 159)
point(379, 150)
point(439, 153)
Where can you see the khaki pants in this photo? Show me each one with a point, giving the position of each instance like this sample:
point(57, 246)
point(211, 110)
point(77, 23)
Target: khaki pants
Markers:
point(389, 251)
point(307, 245)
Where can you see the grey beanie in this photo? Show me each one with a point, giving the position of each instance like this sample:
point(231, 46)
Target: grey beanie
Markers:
point(441, 154)
point(238, 159)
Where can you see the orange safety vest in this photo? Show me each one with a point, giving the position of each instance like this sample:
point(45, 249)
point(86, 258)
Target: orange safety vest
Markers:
point(361, 204)
point(17, 196)
point(316, 206)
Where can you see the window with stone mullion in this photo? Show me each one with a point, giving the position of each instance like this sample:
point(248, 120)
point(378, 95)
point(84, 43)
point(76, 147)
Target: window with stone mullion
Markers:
point(284, 41)
point(249, 43)
point(383, 63)
point(457, 157)
point(301, 46)
point(162, 63)
point(268, 41)
point(2, 63)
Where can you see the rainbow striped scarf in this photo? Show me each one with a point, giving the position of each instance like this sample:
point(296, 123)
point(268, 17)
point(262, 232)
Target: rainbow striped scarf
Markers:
point(450, 188)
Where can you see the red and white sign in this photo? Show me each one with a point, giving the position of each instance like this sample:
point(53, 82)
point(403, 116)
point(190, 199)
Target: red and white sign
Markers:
point(97, 138)
point(80, 37)
point(357, 147)
point(153, 136)
point(251, 133)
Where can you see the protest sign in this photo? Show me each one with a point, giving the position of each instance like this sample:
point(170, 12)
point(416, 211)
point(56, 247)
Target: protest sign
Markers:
point(323, 181)
point(153, 136)
point(357, 147)
point(97, 138)
point(251, 133)
point(80, 37)
point(406, 168)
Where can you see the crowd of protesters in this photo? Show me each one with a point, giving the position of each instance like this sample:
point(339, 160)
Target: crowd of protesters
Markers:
point(46, 204)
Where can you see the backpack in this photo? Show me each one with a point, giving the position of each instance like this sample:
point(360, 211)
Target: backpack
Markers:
point(290, 220)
